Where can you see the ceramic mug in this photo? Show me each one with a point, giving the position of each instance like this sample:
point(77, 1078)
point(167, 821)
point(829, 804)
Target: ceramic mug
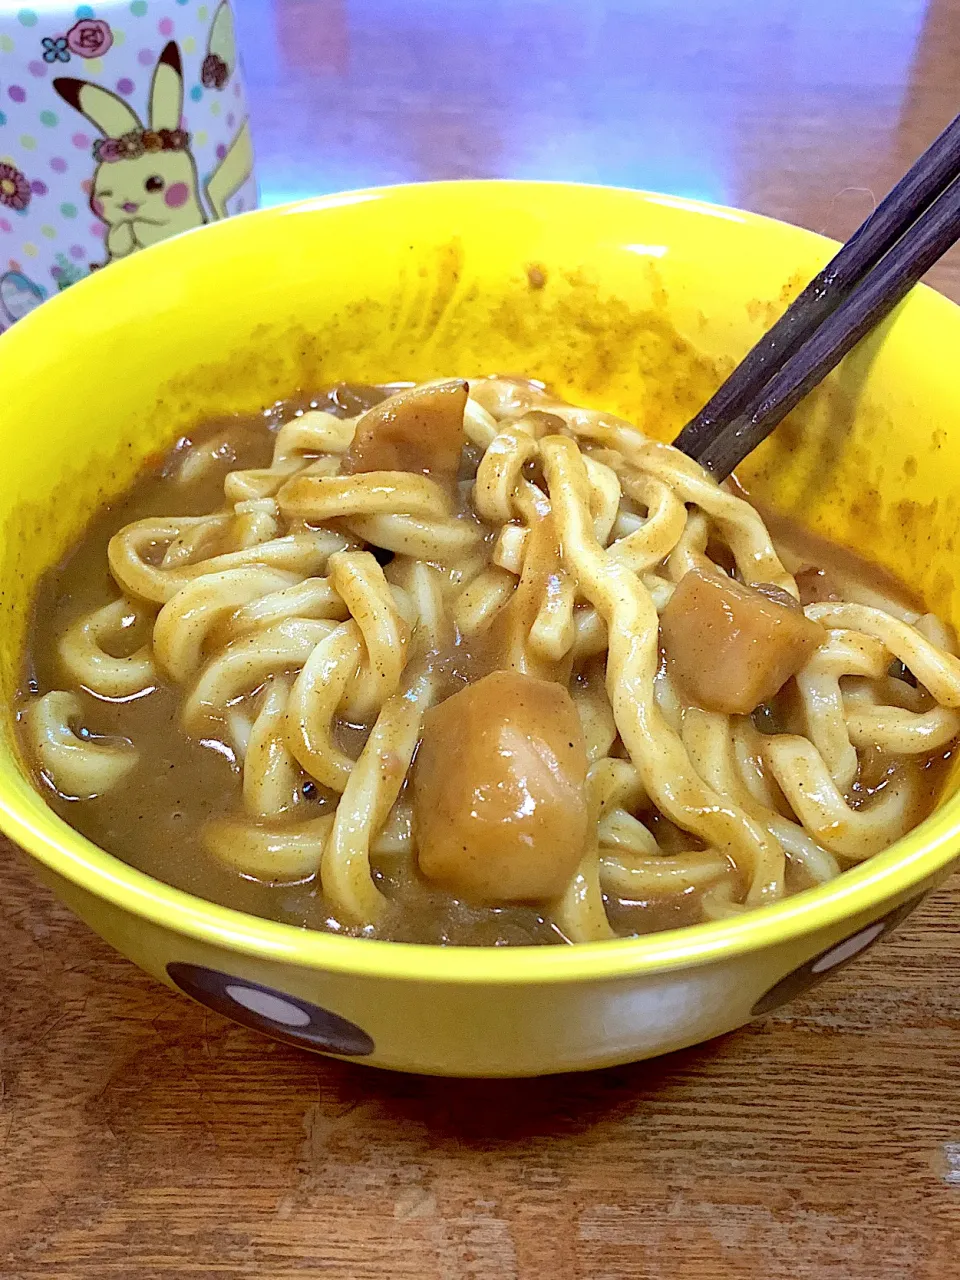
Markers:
point(120, 124)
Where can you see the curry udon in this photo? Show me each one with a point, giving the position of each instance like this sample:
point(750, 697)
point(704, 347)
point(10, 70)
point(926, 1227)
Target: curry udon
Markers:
point(462, 663)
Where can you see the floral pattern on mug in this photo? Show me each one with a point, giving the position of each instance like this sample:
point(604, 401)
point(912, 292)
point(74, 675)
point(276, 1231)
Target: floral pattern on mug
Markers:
point(221, 55)
point(214, 73)
point(14, 188)
point(90, 38)
point(55, 49)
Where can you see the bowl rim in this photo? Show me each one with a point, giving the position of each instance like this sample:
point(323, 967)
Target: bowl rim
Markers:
point(866, 890)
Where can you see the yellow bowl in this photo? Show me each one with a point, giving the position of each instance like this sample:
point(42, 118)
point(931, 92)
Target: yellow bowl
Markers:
point(636, 303)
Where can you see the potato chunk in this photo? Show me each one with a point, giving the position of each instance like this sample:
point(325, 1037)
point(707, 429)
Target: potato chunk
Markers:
point(418, 430)
point(499, 801)
point(731, 647)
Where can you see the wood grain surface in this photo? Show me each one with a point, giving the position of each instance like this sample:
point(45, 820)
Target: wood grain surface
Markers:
point(142, 1137)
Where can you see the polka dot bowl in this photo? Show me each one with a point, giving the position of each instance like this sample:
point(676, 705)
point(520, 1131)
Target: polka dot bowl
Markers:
point(631, 302)
point(120, 124)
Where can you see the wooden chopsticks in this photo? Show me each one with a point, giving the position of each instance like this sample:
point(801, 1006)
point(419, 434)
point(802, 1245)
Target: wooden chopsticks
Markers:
point(909, 230)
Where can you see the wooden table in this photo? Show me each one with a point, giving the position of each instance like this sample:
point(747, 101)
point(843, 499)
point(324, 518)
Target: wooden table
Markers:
point(142, 1137)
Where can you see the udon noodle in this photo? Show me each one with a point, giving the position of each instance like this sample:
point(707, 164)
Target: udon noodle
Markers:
point(364, 618)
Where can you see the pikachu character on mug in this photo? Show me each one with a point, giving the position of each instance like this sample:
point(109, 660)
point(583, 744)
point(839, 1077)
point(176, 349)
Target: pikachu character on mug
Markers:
point(145, 186)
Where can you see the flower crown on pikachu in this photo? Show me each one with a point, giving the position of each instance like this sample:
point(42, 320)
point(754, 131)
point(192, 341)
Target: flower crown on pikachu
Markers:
point(145, 186)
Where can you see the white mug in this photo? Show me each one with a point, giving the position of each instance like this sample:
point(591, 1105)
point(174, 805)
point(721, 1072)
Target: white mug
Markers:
point(120, 124)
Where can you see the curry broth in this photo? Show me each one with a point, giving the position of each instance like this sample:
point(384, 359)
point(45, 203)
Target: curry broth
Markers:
point(153, 819)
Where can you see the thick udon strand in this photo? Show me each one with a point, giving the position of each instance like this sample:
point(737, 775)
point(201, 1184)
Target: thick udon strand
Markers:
point(271, 775)
point(302, 553)
point(370, 793)
point(70, 759)
point(89, 663)
point(185, 622)
point(845, 654)
point(311, 710)
point(281, 629)
point(359, 581)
